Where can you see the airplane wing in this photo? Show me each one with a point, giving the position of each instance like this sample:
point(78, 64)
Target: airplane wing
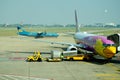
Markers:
point(62, 43)
point(51, 42)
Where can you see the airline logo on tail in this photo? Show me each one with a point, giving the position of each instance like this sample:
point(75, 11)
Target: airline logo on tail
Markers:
point(19, 29)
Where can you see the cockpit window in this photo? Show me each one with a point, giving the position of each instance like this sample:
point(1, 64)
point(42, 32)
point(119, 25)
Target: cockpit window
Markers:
point(105, 45)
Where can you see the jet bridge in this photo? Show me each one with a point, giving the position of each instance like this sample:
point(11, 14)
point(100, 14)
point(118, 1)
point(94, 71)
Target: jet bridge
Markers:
point(116, 39)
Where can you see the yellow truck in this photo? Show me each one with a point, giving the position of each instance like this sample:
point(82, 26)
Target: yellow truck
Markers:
point(72, 55)
point(78, 57)
point(35, 57)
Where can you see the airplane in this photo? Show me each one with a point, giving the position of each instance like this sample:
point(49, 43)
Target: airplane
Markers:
point(35, 34)
point(98, 45)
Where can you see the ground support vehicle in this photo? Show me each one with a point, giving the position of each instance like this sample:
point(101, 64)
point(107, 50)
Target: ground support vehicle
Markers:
point(55, 56)
point(54, 59)
point(36, 57)
point(77, 57)
point(72, 55)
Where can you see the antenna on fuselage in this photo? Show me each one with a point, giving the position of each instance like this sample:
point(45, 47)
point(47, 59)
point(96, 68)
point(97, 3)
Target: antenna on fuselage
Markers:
point(76, 21)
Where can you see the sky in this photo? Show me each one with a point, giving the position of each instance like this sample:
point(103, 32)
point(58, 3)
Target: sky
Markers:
point(59, 11)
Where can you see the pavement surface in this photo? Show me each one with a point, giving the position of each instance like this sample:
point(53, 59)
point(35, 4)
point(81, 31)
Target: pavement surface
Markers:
point(14, 50)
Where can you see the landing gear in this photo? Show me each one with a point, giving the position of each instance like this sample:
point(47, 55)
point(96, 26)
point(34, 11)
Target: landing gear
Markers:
point(107, 60)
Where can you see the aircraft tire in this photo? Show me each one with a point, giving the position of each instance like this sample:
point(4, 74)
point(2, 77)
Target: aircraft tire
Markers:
point(39, 60)
point(30, 60)
point(71, 59)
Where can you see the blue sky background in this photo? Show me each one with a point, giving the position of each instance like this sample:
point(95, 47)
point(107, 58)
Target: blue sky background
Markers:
point(59, 11)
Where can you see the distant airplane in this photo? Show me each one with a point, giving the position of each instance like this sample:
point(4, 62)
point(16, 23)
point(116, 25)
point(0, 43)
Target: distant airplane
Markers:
point(98, 45)
point(35, 34)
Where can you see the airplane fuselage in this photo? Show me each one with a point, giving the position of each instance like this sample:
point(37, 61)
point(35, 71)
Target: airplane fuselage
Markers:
point(25, 33)
point(37, 35)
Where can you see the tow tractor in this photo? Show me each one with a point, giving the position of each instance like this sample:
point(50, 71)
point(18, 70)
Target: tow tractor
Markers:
point(36, 57)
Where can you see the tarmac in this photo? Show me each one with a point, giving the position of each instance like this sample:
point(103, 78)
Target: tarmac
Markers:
point(14, 51)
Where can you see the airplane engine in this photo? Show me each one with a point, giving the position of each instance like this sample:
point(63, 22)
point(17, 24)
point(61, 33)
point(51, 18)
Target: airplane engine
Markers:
point(71, 48)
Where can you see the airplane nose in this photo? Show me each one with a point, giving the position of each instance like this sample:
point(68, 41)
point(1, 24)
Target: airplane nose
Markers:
point(110, 51)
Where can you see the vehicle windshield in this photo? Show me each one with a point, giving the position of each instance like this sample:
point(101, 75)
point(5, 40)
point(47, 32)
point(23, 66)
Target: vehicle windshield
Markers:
point(105, 45)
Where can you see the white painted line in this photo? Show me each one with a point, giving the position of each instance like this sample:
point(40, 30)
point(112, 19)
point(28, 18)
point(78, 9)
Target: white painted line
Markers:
point(3, 78)
point(15, 77)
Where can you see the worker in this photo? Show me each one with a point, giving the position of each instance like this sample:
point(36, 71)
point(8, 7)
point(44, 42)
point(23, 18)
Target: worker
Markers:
point(35, 54)
point(61, 56)
point(39, 54)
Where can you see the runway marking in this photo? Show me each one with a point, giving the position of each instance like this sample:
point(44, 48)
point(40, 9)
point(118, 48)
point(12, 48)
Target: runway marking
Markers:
point(10, 77)
point(111, 79)
point(113, 66)
point(3, 78)
point(12, 58)
point(115, 75)
point(17, 58)
point(108, 76)
point(14, 77)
